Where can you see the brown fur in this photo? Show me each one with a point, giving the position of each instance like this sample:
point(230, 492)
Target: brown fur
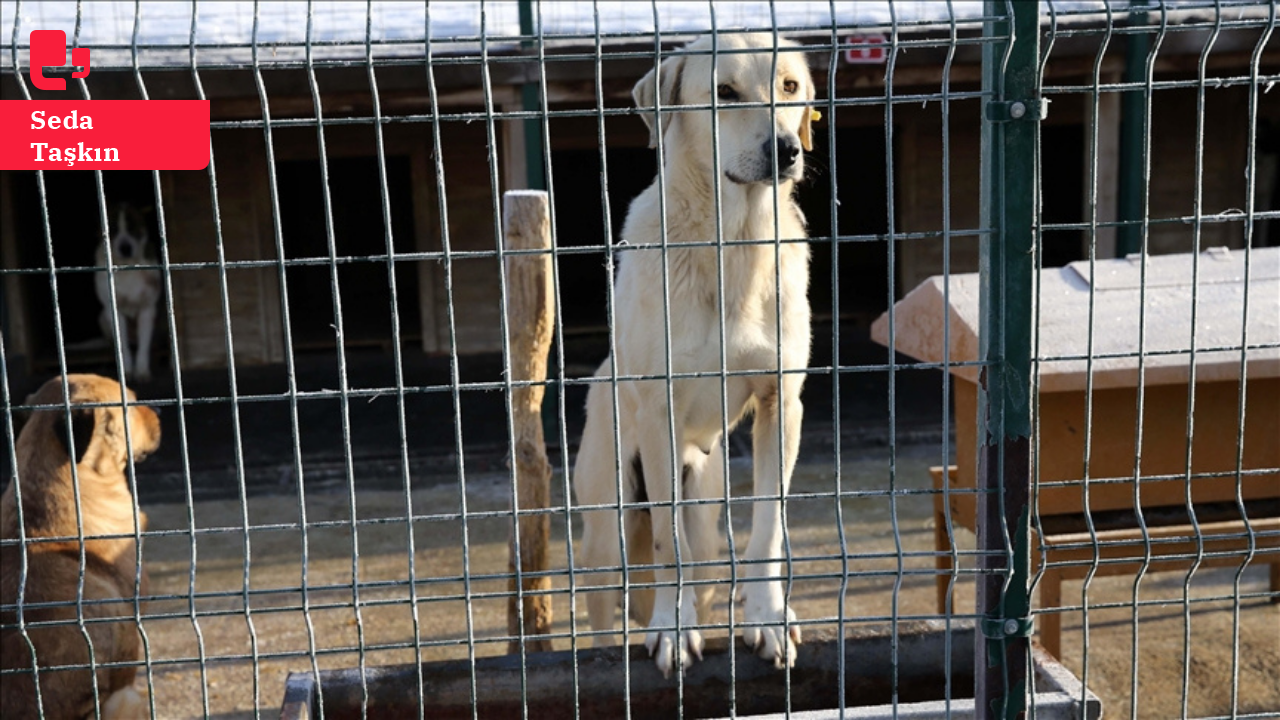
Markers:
point(53, 568)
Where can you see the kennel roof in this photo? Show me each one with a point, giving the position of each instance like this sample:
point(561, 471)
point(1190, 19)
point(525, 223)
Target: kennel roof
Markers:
point(1119, 305)
point(224, 32)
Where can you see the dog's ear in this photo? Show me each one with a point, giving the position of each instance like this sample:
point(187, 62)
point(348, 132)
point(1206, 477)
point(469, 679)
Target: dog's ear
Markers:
point(646, 90)
point(141, 226)
point(806, 124)
point(82, 426)
point(806, 129)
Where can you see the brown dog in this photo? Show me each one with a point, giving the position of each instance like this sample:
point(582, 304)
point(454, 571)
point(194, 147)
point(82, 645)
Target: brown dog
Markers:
point(44, 454)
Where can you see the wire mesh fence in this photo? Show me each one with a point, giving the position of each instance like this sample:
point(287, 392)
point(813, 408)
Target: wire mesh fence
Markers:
point(930, 348)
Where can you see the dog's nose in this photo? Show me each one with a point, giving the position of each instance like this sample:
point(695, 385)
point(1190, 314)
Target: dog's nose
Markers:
point(788, 149)
point(126, 250)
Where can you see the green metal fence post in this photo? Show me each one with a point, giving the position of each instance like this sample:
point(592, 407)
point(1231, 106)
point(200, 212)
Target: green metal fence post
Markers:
point(1133, 144)
point(1010, 132)
point(529, 102)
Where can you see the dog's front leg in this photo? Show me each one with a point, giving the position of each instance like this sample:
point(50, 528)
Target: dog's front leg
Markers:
point(770, 630)
point(119, 337)
point(668, 638)
point(146, 326)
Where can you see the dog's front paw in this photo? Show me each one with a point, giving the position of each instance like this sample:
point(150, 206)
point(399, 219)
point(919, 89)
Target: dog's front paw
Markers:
point(665, 644)
point(124, 704)
point(771, 633)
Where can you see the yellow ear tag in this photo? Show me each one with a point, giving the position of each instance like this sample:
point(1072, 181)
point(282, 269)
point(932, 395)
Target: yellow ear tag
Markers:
point(814, 115)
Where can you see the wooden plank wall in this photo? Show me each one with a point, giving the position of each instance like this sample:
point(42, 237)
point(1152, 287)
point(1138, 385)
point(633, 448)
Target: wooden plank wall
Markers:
point(248, 234)
point(254, 294)
point(470, 204)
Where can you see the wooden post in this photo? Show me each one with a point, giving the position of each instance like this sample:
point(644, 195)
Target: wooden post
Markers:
point(530, 317)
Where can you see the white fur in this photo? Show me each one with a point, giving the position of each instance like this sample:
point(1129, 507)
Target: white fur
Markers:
point(137, 292)
point(751, 329)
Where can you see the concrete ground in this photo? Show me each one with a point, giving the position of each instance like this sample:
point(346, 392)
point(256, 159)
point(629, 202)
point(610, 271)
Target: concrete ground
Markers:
point(265, 573)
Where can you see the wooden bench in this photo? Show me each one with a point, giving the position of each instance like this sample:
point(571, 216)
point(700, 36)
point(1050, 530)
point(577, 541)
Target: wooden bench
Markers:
point(1066, 549)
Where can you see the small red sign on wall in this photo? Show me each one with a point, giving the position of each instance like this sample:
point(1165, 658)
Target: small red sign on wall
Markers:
point(868, 49)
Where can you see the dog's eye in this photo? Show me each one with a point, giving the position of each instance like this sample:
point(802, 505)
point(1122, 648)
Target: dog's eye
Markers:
point(724, 92)
point(790, 87)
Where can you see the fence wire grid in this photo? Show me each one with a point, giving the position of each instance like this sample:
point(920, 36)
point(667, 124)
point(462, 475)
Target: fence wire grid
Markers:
point(1039, 459)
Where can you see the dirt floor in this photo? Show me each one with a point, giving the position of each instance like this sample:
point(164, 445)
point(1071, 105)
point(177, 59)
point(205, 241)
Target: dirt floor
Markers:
point(264, 569)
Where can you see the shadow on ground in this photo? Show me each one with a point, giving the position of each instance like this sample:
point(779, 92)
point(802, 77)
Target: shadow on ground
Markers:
point(883, 548)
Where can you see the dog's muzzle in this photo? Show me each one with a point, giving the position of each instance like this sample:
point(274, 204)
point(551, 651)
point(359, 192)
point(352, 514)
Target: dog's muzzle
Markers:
point(787, 150)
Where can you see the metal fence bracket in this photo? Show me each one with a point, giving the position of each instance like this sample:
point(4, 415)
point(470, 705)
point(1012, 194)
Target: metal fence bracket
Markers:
point(1033, 109)
point(1001, 628)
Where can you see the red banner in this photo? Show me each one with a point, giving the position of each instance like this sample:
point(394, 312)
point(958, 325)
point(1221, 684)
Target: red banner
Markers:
point(104, 134)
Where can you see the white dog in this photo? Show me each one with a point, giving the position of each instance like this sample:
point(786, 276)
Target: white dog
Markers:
point(756, 338)
point(137, 291)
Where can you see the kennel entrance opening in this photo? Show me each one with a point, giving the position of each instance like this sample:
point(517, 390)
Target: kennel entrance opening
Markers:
point(75, 228)
point(358, 238)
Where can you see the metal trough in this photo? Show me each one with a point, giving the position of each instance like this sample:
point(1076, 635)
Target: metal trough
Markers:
point(761, 690)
